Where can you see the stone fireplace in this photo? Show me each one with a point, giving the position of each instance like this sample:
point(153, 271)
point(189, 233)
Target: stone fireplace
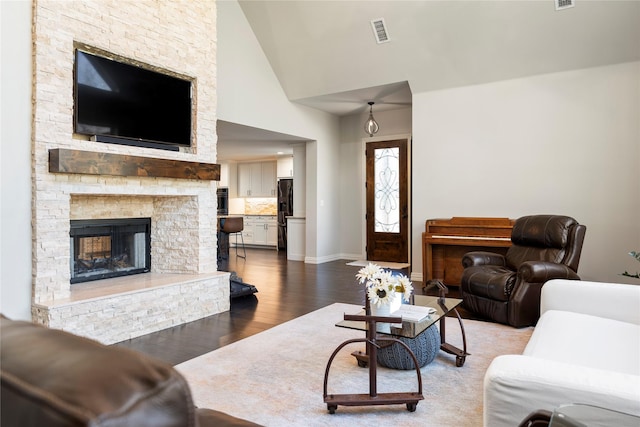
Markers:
point(175, 190)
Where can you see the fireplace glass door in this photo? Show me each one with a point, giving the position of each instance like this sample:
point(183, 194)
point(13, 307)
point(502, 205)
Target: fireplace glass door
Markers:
point(109, 248)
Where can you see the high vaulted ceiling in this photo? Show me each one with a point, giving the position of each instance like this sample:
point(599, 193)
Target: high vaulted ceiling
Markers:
point(325, 55)
point(324, 49)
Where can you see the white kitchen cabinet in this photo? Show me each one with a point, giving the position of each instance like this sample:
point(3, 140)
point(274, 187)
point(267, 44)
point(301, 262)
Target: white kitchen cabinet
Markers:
point(247, 236)
point(260, 234)
point(249, 179)
point(285, 167)
point(230, 178)
point(268, 179)
point(260, 230)
point(224, 175)
point(244, 179)
point(248, 233)
point(272, 233)
point(296, 230)
point(257, 179)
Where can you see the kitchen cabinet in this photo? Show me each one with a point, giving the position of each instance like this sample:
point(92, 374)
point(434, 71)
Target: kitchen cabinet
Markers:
point(224, 175)
point(285, 167)
point(260, 230)
point(247, 235)
point(229, 178)
point(249, 179)
point(257, 179)
point(272, 233)
point(265, 234)
point(296, 227)
point(268, 179)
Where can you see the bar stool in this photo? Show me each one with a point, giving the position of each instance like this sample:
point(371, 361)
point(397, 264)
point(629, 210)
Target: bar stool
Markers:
point(235, 225)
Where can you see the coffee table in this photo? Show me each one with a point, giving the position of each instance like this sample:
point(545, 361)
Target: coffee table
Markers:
point(419, 336)
point(372, 342)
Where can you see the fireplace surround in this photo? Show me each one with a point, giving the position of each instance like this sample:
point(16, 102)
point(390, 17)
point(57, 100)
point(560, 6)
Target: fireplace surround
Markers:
point(182, 284)
point(76, 178)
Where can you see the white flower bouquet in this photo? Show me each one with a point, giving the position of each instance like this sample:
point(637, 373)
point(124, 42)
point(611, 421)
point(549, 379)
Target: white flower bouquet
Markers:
point(382, 286)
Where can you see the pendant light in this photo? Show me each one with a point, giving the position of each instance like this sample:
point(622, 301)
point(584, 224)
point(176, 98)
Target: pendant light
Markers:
point(371, 126)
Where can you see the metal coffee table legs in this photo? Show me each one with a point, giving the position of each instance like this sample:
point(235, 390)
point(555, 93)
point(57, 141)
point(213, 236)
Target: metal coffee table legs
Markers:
point(461, 354)
point(411, 399)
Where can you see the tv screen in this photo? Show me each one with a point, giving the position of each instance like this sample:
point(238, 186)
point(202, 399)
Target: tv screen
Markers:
point(123, 101)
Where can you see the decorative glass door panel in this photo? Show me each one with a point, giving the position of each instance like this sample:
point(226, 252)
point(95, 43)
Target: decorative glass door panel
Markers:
point(387, 200)
point(387, 190)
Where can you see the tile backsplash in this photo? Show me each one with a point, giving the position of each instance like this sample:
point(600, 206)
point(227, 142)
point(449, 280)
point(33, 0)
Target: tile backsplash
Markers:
point(261, 206)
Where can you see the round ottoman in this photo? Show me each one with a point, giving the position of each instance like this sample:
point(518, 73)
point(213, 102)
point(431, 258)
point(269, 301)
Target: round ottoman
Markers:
point(425, 347)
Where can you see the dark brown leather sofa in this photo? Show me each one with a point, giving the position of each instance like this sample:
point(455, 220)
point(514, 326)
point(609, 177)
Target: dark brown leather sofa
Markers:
point(507, 288)
point(52, 378)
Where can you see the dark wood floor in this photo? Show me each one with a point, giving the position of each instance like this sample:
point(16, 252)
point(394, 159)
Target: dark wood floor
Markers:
point(286, 290)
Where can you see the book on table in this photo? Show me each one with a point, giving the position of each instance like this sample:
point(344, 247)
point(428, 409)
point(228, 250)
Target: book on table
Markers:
point(413, 313)
point(409, 313)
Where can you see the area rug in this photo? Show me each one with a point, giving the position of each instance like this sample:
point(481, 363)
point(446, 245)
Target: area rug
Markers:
point(383, 264)
point(275, 378)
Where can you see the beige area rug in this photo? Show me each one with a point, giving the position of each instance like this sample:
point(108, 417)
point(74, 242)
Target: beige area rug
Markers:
point(275, 378)
point(383, 264)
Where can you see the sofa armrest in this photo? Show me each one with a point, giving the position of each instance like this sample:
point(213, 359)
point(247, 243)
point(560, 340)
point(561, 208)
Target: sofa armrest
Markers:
point(610, 300)
point(515, 385)
point(52, 378)
point(474, 258)
point(524, 304)
point(542, 271)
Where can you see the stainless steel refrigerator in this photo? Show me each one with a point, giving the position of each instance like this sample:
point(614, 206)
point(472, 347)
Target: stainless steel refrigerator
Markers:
point(285, 209)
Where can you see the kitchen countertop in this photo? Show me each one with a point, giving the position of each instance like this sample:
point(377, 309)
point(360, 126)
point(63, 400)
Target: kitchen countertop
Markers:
point(256, 215)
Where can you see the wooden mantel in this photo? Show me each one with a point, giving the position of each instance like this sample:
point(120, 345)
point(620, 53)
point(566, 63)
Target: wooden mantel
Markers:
point(93, 163)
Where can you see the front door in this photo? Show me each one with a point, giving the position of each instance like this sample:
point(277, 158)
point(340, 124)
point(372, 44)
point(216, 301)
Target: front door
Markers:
point(387, 201)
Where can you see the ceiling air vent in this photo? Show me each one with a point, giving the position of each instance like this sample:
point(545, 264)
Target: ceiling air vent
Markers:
point(564, 4)
point(380, 30)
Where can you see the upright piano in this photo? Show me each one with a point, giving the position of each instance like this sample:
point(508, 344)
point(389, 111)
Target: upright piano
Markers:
point(445, 241)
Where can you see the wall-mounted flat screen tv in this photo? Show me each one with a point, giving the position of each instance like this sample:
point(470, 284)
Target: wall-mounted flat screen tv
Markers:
point(126, 104)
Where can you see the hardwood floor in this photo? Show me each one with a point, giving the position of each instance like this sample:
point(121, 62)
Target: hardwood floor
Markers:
point(286, 290)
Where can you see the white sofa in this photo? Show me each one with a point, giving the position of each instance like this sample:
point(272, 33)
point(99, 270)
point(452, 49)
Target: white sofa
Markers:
point(584, 349)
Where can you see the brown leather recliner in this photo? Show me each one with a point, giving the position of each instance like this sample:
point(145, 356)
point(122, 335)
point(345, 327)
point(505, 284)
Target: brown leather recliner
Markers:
point(507, 288)
point(52, 378)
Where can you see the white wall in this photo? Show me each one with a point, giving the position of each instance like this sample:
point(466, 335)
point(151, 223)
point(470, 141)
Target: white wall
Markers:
point(15, 160)
point(352, 191)
point(249, 94)
point(566, 143)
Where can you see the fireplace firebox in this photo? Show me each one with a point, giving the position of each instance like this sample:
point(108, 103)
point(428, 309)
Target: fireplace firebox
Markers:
point(104, 248)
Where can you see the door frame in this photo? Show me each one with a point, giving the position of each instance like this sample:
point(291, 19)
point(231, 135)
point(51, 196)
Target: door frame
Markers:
point(363, 192)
